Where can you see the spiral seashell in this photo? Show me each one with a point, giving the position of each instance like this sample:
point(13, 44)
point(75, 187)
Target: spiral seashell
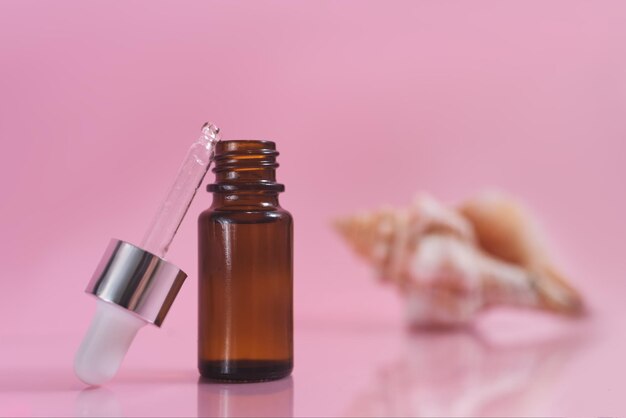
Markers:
point(451, 263)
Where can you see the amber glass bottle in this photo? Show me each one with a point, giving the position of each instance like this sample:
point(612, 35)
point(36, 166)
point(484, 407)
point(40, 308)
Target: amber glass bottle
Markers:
point(245, 256)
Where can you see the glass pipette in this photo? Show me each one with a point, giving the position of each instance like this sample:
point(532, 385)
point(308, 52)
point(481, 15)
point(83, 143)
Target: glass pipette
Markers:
point(173, 209)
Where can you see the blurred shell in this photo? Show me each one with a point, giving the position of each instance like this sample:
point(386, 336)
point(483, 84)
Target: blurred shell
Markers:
point(451, 263)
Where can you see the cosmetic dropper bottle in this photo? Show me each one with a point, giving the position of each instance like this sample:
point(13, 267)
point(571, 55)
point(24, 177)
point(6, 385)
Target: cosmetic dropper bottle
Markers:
point(135, 285)
point(245, 279)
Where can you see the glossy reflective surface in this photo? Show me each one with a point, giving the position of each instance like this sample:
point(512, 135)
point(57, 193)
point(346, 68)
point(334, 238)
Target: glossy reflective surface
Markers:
point(508, 364)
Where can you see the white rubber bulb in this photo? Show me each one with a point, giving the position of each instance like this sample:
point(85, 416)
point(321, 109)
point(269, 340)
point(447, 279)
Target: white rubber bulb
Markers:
point(111, 332)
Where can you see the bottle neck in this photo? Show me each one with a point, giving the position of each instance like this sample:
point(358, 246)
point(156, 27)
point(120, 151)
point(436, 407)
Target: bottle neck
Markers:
point(249, 200)
point(245, 176)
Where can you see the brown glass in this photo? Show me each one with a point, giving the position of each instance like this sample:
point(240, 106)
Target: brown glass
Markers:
point(245, 308)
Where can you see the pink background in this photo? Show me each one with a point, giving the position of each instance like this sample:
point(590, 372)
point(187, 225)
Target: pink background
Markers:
point(369, 102)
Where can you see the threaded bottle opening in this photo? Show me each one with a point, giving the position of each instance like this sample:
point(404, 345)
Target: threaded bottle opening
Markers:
point(245, 165)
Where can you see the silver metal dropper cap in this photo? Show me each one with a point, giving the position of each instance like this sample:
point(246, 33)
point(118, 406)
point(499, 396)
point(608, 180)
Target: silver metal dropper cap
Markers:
point(136, 280)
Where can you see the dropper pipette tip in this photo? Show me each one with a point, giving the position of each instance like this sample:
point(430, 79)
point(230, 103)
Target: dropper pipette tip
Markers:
point(211, 130)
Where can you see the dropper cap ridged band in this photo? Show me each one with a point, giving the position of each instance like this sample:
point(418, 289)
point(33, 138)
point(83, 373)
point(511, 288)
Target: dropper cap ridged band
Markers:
point(136, 280)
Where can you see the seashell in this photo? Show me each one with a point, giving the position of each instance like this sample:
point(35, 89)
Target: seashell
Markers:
point(451, 263)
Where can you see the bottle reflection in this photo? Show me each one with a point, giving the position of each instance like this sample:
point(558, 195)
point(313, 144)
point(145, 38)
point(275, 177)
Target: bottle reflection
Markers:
point(97, 402)
point(267, 399)
point(458, 374)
